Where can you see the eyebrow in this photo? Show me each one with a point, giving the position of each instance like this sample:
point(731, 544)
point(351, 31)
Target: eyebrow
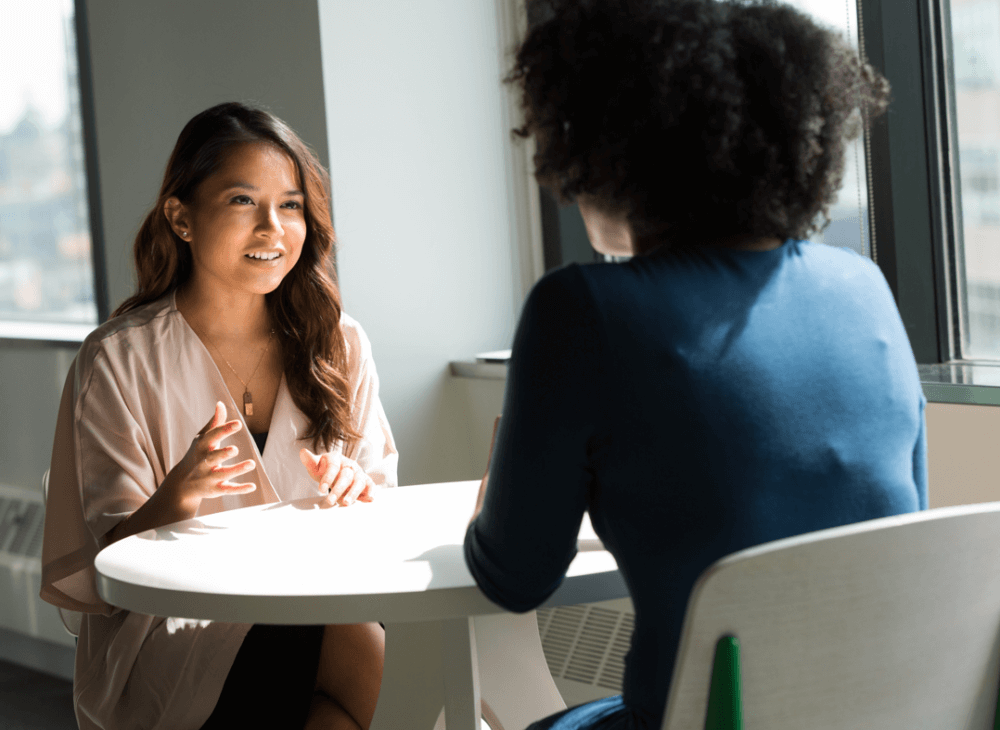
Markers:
point(253, 188)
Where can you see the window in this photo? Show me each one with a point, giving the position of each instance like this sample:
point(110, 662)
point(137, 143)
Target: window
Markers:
point(975, 39)
point(46, 243)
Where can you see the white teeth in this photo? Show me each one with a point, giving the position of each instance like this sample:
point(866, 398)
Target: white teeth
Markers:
point(264, 256)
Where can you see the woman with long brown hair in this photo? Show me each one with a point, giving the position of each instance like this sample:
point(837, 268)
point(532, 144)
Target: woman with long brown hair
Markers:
point(236, 319)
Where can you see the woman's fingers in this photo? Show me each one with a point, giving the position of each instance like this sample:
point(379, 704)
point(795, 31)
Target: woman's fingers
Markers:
point(340, 479)
point(345, 477)
point(227, 488)
point(368, 493)
point(228, 472)
point(312, 462)
point(217, 417)
point(217, 433)
point(215, 458)
point(330, 465)
point(355, 489)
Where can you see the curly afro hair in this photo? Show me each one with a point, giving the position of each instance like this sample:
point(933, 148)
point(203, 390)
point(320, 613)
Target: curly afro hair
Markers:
point(697, 119)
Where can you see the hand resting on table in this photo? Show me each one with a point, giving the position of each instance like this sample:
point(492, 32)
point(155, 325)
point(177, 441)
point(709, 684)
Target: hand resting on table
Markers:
point(340, 479)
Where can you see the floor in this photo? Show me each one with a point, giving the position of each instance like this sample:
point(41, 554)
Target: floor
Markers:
point(30, 700)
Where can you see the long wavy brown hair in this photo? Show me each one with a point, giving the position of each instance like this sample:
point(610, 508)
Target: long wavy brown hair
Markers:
point(305, 307)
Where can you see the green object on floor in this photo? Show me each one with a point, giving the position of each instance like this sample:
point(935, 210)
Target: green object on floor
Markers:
point(996, 715)
point(725, 698)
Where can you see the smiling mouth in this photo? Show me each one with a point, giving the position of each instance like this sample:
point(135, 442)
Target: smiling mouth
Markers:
point(263, 256)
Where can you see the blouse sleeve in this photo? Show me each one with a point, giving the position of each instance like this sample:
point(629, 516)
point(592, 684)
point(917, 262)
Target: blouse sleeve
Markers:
point(376, 451)
point(519, 547)
point(100, 473)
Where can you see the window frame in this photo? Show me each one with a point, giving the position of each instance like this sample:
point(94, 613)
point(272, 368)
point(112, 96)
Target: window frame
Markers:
point(913, 166)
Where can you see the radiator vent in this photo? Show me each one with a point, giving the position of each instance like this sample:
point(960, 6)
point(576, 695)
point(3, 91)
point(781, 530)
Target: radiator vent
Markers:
point(586, 643)
point(21, 522)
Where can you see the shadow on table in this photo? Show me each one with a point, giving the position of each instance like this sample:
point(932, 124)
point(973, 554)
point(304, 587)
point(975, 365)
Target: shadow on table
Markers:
point(306, 504)
point(170, 532)
point(447, 563)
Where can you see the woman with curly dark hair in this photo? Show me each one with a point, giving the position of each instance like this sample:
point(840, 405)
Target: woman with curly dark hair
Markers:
point(731, 384)
point(236, 319)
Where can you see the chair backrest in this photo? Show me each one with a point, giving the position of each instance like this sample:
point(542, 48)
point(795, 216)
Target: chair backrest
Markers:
point(892, 623)
point(71, 619)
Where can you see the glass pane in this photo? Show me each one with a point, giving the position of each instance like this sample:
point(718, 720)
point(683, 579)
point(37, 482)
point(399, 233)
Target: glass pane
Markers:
point(975, 28)
point(849, 213)
point(45, 263)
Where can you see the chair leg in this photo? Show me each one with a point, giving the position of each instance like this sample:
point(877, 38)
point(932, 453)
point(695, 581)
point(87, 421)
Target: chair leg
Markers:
point(725, 700)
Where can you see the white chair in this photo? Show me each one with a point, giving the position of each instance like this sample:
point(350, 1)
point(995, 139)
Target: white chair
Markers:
point(71, 619)
point(887, 624)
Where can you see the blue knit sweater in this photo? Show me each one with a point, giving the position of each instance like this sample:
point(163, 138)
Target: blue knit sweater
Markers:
point(696, 403)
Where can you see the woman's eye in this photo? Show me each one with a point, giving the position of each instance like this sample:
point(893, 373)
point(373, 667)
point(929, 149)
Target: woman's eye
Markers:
point(242, 200)
point(293, 204)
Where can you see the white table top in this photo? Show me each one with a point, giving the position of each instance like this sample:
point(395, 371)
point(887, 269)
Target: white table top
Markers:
point(396, 559)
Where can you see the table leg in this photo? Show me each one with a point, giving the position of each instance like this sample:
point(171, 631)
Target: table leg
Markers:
point(412, 693)
point(460, 665)
point(490, 664)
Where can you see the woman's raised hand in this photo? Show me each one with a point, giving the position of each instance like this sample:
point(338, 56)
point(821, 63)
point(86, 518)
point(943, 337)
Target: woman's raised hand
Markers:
point(341, 480)
point(201, 473)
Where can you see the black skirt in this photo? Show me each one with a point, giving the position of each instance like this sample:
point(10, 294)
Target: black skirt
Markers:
point(272, 680)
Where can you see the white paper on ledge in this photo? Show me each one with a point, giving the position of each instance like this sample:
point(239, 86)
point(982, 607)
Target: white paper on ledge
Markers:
point(494, 356)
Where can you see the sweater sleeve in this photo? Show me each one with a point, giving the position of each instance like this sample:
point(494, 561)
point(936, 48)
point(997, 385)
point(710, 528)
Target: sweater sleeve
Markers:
point(521, 544)
point(920, 458)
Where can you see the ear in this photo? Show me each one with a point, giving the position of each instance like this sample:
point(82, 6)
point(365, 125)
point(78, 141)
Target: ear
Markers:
point(178, 217)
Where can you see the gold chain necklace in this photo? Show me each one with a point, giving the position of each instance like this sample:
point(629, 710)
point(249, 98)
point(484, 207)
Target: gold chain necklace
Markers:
point(247, 396)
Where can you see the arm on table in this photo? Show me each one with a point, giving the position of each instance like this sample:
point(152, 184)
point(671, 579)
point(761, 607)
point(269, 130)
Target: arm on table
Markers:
point(521, 543)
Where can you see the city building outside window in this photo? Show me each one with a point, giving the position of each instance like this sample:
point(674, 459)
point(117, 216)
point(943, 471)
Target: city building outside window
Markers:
point(975, 40)
point(46, 269)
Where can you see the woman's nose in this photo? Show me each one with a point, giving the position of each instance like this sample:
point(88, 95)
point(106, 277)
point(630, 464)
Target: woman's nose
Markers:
point(270, 223)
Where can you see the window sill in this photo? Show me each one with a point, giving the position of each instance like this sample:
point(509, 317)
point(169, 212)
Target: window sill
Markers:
point(479, 370)
point(967, 383)
point(50, 334)
point(970, 383)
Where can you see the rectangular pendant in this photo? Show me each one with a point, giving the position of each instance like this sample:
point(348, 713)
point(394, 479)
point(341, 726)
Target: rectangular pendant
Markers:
point(247, 403)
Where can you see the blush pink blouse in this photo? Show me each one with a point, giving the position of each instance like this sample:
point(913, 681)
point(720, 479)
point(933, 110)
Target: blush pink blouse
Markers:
point(141, 388)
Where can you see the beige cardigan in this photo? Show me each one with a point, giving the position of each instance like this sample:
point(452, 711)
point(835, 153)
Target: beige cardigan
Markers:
point(140, 389)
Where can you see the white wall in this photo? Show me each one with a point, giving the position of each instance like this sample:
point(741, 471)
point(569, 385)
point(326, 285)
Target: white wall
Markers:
point(963, 458)
point(419, 161)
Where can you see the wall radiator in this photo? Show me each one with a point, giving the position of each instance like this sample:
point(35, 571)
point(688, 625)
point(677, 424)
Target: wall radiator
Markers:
point(585, 647)
point(22, 514)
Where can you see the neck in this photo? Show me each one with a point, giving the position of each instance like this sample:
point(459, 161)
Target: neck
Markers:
point(224, 316)
point(743, 242)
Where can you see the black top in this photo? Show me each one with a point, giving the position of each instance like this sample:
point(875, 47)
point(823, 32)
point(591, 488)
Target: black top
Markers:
point(260, 439)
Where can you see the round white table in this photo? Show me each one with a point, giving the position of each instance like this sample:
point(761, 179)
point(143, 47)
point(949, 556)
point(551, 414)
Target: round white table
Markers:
point(397, 560)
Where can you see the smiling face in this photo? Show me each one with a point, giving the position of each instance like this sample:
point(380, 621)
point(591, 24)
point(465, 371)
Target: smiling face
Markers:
point(246, 225)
